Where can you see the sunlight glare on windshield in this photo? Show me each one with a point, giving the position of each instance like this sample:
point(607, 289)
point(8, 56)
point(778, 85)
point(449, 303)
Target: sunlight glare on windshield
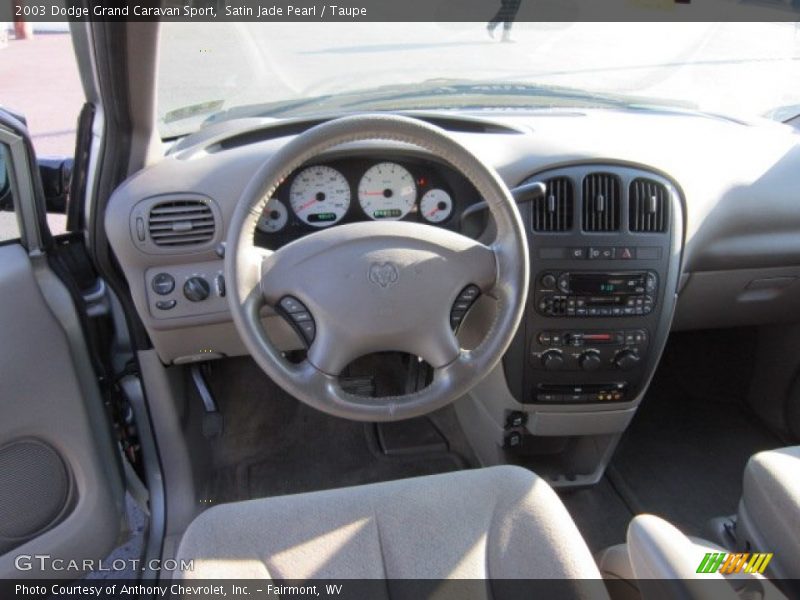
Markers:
point(738, 69)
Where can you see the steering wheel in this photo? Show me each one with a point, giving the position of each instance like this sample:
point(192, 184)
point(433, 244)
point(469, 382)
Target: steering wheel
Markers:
point(377, 286)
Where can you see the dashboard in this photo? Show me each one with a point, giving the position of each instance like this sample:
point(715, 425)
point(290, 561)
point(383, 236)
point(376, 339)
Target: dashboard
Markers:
point(731, 249)
point(652, 221)
point(378, 188)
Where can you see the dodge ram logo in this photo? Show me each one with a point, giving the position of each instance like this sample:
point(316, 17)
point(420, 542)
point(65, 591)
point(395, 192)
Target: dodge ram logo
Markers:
point(384, 274)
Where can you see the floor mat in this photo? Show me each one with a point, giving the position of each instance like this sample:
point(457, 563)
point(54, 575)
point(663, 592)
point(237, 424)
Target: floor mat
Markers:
point(684, 454)
point(274, 445)
point(600, 514)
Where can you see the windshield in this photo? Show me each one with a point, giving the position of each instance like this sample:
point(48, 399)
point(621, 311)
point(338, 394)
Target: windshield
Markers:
point(214, 71)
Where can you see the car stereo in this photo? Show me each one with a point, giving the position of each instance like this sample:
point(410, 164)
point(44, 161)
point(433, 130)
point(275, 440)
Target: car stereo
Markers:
point(596, 293)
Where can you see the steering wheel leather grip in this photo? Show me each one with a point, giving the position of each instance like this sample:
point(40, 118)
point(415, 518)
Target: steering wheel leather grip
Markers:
point(377, 286)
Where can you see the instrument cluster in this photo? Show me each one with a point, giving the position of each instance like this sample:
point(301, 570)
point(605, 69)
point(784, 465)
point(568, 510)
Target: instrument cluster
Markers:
point(358, 189)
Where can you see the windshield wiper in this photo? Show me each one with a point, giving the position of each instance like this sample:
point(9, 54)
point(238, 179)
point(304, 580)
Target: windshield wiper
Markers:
point(192, 111)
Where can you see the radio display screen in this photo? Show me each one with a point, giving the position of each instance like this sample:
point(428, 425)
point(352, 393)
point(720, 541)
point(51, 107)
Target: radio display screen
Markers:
point(605, 284)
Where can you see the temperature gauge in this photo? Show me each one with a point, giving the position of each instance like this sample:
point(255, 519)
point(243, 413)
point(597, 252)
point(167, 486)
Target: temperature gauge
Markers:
point(274, 217)
point(436, 206)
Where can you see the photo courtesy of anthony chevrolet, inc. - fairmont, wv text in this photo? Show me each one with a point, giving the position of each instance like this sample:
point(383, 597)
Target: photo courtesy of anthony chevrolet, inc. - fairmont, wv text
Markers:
point(399, 300)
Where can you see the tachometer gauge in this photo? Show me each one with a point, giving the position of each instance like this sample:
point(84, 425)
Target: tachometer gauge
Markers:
point(274, 217)
point(320, 196)
point(436, 206)
point(387, 192)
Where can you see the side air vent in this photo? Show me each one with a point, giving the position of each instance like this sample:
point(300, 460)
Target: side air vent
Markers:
point(186, 222)
point(601, 200)
point(648, 206)
point(554, 211)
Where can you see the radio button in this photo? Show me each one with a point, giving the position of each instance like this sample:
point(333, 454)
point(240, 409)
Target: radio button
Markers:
point(577, 253)
point(548, 281)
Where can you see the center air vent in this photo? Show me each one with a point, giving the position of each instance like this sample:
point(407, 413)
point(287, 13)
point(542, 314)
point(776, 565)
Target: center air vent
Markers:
point(601, 200)
point(648, 206)
point(554, 211)
point(187, 222)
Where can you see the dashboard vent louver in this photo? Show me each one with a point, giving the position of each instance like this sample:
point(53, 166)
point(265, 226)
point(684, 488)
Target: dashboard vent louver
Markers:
point(181, 223)
point(648, 206)
point(554, 211)
point(601, 200)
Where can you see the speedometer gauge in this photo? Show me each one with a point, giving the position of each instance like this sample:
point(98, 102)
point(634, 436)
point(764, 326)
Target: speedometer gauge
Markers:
point(436, 205)
point(387, 192)
point(320, 196)
point(274, 216)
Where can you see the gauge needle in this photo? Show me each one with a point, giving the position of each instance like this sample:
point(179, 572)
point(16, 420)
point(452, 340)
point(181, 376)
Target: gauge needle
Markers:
point(372, 193)
point(433, 212)
point(307, 204)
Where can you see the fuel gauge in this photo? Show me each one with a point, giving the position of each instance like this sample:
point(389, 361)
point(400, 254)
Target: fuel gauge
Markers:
point(436, 206)
point(274, 217)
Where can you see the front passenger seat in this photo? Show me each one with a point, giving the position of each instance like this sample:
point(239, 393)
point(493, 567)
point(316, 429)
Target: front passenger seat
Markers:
point(499, 522)
point(769, 511)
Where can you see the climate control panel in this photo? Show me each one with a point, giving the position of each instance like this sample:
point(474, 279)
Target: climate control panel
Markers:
point(588, 350)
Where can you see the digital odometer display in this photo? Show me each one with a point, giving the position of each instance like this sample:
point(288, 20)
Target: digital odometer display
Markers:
point(322, 217)
point(387, 213)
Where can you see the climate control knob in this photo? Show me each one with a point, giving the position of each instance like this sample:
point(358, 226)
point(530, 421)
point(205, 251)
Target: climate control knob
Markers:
point(590, 360)
point(626, 359)
point(552, 360)
point(196, 289)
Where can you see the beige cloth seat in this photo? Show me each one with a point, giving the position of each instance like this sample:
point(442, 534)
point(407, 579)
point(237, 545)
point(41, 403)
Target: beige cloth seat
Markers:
point(769, 511)
point(499, 522)
point(659, 563)
point(768, 521)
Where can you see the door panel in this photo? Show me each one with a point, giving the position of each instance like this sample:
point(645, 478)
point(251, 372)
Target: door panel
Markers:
point(61, 491)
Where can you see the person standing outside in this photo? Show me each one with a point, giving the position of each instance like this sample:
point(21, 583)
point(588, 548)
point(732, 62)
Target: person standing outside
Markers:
point(505, 14)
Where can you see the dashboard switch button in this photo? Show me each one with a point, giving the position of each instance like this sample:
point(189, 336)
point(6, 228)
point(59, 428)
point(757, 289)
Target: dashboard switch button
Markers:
point(163, 284)
point(219, 281)
point(196, 289)
point(166, 304)
point(291, 305)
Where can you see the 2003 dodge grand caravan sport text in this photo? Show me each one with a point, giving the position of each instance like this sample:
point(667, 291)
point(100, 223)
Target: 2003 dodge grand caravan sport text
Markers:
point(498, 309)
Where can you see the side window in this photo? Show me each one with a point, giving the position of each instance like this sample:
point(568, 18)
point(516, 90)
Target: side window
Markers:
point(9, 227)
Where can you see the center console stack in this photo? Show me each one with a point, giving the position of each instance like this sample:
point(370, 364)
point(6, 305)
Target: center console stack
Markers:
point(605, 246)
